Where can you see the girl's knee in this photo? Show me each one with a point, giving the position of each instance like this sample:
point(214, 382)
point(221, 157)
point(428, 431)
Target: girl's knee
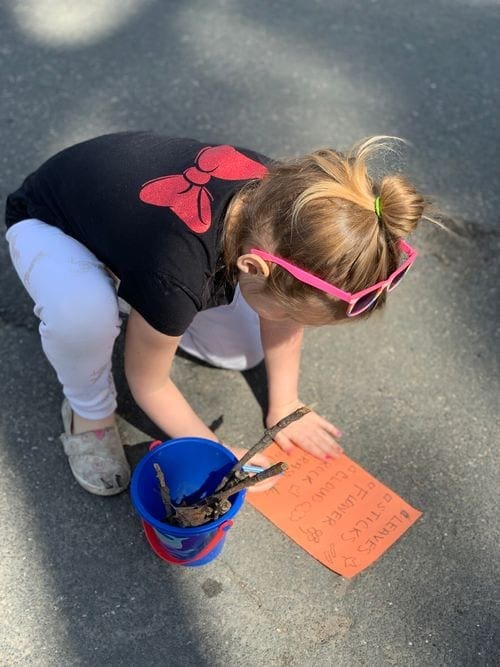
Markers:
point(92, 320)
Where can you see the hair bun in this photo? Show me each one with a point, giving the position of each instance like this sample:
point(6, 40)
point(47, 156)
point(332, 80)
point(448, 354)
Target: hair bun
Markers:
point(401, 206)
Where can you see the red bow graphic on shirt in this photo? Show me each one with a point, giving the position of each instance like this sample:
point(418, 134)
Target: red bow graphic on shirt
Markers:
point(186, 195)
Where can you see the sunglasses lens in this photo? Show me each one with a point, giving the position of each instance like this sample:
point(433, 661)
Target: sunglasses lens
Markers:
point(397, 279)
point(364, 303)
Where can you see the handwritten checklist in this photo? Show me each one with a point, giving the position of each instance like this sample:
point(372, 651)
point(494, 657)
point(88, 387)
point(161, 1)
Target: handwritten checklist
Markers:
point(339, 513)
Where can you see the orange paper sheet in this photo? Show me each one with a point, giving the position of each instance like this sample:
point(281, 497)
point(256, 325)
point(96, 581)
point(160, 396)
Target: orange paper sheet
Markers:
point(336, 511)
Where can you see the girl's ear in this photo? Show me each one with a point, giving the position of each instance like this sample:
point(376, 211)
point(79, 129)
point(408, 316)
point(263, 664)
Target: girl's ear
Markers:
point(253, 265)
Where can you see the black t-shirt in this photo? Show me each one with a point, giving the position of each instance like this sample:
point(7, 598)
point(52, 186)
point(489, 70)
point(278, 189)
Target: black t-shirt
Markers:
point(151, 209)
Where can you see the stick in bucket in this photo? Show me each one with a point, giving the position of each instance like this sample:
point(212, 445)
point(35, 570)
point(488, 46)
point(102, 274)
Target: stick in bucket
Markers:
point(235, 480)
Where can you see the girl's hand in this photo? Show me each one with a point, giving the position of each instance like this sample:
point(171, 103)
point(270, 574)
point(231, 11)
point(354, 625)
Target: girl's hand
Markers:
point(312, 433)
point(257, 460)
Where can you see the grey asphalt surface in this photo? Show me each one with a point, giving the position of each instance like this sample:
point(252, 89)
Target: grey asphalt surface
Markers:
point(416, 391)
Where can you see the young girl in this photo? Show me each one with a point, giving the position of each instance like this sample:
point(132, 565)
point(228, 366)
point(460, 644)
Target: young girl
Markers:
point(214, 249)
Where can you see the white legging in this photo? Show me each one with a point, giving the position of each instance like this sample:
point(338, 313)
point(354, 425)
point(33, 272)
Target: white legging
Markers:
point(76, 302)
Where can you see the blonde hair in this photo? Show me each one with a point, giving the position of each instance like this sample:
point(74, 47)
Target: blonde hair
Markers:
point(318, 212)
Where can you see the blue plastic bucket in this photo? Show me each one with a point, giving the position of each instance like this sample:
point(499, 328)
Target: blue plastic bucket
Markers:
point(193, 468)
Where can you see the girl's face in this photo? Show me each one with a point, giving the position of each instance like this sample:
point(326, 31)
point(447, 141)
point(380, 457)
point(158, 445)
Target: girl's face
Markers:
point(253, 272)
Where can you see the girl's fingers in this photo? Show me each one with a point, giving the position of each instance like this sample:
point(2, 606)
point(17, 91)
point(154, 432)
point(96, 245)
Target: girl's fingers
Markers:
point(319, 444)
point(335, 450)
point(330, 428)
point(329, 448)
point(318, 439)
point(263, 486)
point(313, 446)
point(264, 462)
point(284, 442)
point(306, 443)
point(257, 460)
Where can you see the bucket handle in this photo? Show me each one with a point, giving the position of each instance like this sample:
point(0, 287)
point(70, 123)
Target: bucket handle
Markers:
point(154, 444)
point(159, 550)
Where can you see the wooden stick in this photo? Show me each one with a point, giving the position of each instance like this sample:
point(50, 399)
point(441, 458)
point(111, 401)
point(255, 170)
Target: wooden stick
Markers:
point(217, 504)
point(182, 517)
point(267, 438)
point(164, 491)
point(276, 469)
point(235, 481)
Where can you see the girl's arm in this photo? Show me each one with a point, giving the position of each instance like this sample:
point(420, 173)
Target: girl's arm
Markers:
point(282, 344)
point(148, 359)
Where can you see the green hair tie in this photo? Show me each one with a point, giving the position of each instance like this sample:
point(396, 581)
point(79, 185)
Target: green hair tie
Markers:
point(378, 208)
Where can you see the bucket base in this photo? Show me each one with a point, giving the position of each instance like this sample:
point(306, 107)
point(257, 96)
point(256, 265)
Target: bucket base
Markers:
point(206, 555)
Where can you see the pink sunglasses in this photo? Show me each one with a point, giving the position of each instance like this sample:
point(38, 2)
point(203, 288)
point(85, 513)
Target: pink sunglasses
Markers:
point(358, 302)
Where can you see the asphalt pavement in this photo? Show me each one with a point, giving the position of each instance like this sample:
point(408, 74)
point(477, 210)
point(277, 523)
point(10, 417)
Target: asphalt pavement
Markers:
point(415, 391)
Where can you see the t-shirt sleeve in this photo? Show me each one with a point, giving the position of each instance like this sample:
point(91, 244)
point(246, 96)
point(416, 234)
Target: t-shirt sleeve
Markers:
point(162, 302)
